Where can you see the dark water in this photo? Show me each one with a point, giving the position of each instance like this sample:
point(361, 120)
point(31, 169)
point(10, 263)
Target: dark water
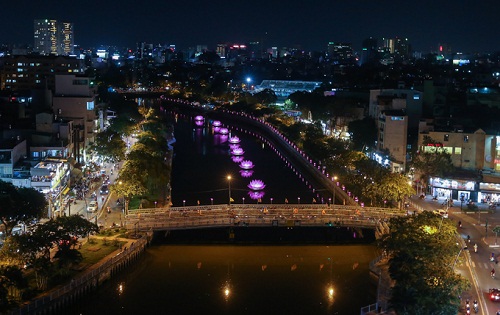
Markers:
point(236, 279)
point(173, 279)
point(203, 160)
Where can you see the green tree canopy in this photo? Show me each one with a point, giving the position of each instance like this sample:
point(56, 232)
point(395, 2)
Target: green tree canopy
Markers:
point(19, 205)
point(423, 251)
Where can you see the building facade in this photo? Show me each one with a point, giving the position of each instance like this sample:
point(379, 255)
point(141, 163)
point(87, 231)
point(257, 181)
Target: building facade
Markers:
point(52, 37)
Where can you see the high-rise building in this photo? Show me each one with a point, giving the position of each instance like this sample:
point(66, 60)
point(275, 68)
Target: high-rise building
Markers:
point(369, 50)
point(66, 41)
point(53, 38)
point(340, 53)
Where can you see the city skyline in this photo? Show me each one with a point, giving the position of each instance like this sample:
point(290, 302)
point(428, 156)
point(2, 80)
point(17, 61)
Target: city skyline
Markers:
point(464, 25)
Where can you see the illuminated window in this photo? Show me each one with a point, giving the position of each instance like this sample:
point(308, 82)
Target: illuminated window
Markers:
point(466, 138)
point(458, 150)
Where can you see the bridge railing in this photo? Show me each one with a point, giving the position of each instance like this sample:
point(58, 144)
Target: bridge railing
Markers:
point(264, 207)
point(257, 217)
point(196, 223)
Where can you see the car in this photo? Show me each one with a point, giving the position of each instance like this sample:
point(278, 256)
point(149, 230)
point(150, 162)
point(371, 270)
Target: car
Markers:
point(441, 212)
point(104, 190)
point(494, 294)
point(92, 207)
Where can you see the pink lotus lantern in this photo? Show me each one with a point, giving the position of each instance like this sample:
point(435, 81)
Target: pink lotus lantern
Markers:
point(256, 195)
point(216, 123)
point(246, 165)
point(234, 139)
point(237, 159)
point(234, 146)
point(246, 173)
point(199, 118)
point(256, 184)
point(216, 129)
point(199, 123)
point(237, 151)
point(224, 131)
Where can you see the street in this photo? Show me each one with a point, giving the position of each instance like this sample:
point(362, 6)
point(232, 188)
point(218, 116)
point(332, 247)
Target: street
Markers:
point(477, 268)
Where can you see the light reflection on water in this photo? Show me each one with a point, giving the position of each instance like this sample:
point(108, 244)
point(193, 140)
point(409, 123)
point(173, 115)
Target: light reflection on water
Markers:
point(179, 279)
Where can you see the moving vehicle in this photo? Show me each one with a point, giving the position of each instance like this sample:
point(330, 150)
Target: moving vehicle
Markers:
point(494, 294)
point(441, 212)
point(92, 207)
point(104, 190)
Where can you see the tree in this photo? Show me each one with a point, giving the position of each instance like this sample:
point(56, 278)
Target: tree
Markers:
point(433, 160)
point(110, 145)
point(19, 205)
point(422, 251)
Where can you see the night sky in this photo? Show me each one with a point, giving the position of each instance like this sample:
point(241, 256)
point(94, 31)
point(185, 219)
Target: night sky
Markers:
point(466, 25)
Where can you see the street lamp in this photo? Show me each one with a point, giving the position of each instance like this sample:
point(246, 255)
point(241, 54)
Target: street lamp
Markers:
point(271, 200)
point(334, 190)
point(298, 200)
point(243, 200)
point(212, 201)
point(183, 203)
point(229, 188)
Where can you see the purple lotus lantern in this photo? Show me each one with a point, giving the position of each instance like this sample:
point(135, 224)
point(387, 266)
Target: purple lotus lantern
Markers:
point(256, 184)
point(217, 129)
point(199, 118)
point(237, 159)
point(237, 151)
point(256, 195)
point(234, 139)
point(224, 131)
point(234, 146)
point(216, 123)
point(246, 173)
point(246, 165)
point(199, 123)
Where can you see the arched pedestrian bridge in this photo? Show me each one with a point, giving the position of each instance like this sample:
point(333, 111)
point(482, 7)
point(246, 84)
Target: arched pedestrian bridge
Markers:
point(258, 215)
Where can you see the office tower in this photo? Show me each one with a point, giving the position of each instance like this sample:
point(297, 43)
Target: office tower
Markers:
point(369, 50)
point(340, 53)
point(53, 38)
point(66, 41)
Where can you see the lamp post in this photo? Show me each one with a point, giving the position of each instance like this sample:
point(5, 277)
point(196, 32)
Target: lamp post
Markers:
point(334, 190)
point(212, 201)
point(243, 200)
point(271, 200)
point(229, 188)
point(298, 200)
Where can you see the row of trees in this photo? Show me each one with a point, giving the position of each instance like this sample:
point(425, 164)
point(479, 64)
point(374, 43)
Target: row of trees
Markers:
point(145, 172)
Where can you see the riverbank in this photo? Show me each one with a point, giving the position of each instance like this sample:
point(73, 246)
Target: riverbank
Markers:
point(57, 299)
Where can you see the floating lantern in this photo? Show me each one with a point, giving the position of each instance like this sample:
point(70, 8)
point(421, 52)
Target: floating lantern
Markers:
point(246, 165)
point(199, 118)
point(237, 159)
point(256, 195)
point(224, 131)
point(246, 173)
point(237, 151)
point(233, 146)
point(256, 184)
point(216, 123)
point(234, 139)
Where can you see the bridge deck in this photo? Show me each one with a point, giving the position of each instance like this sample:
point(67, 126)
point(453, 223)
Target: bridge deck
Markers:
point(257, 215)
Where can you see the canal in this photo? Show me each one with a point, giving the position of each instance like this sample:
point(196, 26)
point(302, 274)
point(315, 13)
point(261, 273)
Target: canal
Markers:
point(187, 277)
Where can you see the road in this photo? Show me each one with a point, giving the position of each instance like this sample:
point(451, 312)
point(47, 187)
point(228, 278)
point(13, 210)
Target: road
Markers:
point(477, 265)
point(101, 217)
